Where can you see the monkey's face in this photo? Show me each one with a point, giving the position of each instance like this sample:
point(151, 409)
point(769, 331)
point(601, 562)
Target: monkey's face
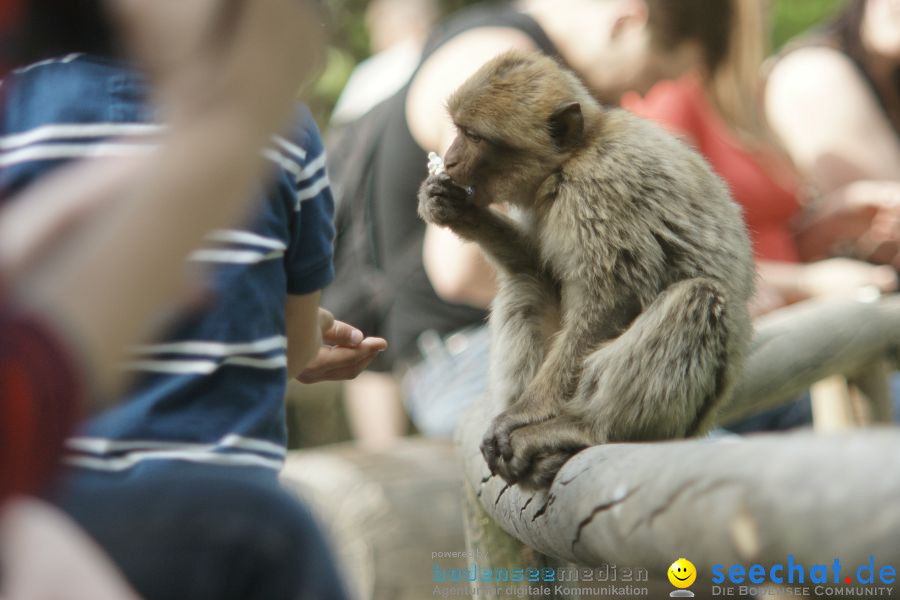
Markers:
point(518, 119)
point(495, 171)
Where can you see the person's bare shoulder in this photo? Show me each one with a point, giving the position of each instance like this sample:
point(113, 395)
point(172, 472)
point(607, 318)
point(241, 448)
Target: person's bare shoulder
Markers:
point(822, 108)
point(445, 70)
point(807, 73)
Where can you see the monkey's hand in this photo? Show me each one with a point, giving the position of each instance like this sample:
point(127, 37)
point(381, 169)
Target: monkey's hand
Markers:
point(444, 202)
point(539, 450)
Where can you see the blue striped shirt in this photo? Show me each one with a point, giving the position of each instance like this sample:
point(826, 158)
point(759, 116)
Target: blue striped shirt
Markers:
point(212, 391)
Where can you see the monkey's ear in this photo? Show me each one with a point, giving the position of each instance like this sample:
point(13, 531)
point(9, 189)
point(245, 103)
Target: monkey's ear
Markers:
point(567, 125)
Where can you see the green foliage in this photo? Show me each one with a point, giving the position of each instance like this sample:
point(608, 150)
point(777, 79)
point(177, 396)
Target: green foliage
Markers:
point(793, 17)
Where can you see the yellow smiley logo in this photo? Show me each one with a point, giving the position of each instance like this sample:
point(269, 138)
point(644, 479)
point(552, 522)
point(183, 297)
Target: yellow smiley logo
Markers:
point(682, 573)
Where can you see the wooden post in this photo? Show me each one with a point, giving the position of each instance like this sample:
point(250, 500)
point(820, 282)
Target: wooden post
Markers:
point(874, 391)
point(832, 407)
point(498, 549)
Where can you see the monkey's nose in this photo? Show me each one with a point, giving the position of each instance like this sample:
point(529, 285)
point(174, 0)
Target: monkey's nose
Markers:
point(449, 164)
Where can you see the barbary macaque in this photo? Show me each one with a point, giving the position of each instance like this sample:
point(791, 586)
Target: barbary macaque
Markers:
point(621, 313)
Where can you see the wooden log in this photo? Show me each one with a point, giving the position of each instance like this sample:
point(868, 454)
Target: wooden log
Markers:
point(796, 346)
point(728, 500)
point(499, 549)
point(718, 501)
point(386, 512)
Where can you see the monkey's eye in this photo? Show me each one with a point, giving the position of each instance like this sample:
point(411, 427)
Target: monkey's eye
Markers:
point(471, 135)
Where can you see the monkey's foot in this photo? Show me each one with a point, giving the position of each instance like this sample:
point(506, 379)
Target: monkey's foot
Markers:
point(443, 202)
point(540, 450)
point(496, 445)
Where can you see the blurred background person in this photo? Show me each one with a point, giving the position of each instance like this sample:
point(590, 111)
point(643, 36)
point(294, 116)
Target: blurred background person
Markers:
point(397, 31)
point(833, 100)
point(722, 116)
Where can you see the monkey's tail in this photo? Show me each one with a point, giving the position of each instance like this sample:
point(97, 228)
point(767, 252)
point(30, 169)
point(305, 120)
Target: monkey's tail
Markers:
point(665, 375)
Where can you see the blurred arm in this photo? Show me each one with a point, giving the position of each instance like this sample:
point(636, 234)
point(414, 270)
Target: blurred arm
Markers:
point(829, 120)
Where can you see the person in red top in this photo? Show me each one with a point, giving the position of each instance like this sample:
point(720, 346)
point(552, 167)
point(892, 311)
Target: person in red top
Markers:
point(760, 182)
point(718, 114)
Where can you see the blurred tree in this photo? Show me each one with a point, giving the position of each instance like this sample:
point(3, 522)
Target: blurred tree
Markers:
point(350, 41)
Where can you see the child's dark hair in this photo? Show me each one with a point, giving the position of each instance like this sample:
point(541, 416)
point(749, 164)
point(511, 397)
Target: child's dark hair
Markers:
point(53, 28)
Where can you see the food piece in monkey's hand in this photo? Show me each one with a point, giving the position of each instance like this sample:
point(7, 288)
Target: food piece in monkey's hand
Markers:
point(442, 201)
point(435, 164)
point(621, 311)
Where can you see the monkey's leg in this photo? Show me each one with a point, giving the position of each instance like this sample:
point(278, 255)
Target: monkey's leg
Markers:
point(665, 375)
point(661, 378)
point(524, 316)
point(552, 385)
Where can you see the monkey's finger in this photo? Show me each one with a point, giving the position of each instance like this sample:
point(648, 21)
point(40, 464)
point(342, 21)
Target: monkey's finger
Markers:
point(505, 473)
point(499, 437)
point(490, 451)
point(450, 195)
point(504, 426)
point(495, 461)
point(442, 185)
point(543, 470)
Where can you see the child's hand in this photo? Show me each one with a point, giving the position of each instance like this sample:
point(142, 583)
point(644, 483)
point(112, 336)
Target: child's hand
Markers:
point(345, 352)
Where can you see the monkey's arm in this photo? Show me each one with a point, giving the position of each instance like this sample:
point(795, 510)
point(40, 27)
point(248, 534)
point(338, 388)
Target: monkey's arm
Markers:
point(443, 203)
point(586, 325)
point(546, 395)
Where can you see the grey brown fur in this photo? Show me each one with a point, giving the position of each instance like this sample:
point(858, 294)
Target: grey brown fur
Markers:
point(623, 284)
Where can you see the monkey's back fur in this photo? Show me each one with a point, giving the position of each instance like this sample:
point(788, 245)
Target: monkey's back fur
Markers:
point(642, 211)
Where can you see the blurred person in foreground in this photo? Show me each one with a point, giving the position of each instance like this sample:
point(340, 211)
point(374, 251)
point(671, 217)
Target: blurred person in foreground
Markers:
point(83, 252)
